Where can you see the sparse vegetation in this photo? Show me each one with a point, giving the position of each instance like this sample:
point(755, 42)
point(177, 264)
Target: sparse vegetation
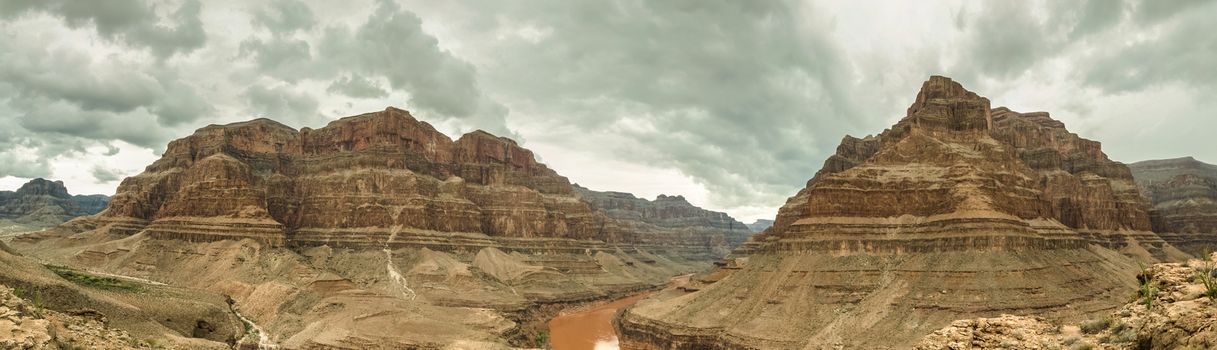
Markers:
point(543, 339)
point(87, 280)
point(35, 301)
point(1120, 333)
point(1204, 276)
point(1148, 289)
point(1095, 326)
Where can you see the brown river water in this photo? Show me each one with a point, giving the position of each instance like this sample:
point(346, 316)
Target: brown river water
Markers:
point(591, 327)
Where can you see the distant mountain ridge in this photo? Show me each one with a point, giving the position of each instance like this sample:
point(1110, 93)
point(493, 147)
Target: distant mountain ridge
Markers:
point(760, 225)
point(44, 203)
point(1183, 192)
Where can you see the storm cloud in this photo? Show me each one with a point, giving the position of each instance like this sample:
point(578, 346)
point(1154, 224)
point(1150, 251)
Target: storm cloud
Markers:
point(732, 104)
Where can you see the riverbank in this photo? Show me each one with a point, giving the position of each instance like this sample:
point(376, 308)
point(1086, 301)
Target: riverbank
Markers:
point(590, 326)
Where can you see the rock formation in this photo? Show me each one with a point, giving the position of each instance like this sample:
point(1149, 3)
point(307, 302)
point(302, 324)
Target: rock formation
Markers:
point(1184, 196)
point(44, 203)
point(760, 225)
point(378, 230)
point(352, 183)
point(957, 210)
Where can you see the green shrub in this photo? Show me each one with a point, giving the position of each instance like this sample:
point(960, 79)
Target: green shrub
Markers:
point(543, 339)
point(1204, 275)
point(88, 280)
point(1148, 289)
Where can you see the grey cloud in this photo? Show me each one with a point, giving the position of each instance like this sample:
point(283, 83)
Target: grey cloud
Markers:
point(1184, 52)
point(66, 119)
point(133, 22)
point(68, 92)
point(1004, 39)
point(283, 104)
point(286, 58)
point(390, 44)
point(358, 87)
point(1148, 11)
point(102, 174)
point(741, 96)
point(285, 16)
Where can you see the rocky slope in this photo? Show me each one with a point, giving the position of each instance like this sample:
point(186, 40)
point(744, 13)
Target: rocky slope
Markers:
point(1176, 315)
point(47, 307)
point(378, 230)
point(958, 210)
point(43, 203)
point(1184, 196)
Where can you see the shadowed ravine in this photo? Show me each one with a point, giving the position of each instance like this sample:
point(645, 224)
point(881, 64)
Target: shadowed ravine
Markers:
point(591, 327)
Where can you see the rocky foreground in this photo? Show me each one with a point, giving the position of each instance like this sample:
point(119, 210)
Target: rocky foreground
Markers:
point(1175, 310)
point(959, 210)
point(379, 231)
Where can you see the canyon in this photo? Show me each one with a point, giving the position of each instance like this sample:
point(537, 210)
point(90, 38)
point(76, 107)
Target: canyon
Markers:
point(957, 211)
point(957, 225)
point(377, 230)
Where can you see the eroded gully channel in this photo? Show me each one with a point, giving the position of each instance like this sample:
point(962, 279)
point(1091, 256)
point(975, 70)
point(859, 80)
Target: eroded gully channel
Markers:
point(591, 327)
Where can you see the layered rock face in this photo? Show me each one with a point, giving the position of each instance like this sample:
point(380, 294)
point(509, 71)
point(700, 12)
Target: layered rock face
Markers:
point(958, 209)
point(1184, 196)
point(356, 182)
point(43, 203)
point(668, 220)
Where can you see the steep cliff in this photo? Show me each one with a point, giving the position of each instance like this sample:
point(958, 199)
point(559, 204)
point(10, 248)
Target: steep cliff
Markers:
point(1184, 196)
point(43, 203)
point(958, 209)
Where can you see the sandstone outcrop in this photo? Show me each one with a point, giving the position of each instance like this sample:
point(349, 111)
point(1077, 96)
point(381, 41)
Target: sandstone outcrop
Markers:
point(957, 210)
point(43, 203)
point(1184, 196)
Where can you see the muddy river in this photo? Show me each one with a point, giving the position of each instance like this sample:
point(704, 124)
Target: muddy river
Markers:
point(591, 327)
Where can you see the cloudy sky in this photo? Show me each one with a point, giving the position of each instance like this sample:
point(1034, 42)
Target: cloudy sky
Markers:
point(734, 104)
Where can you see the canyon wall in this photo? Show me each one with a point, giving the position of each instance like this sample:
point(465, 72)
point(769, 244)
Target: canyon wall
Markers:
point(359, 179)
point(957, 210)
point(1184, 196)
